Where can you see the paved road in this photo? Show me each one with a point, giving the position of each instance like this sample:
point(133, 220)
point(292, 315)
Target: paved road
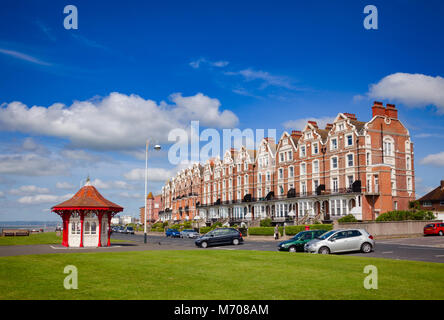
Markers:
point(430, 249)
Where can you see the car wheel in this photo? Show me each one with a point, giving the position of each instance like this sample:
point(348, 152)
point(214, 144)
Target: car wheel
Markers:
point(204, 244)
point(292, 249)
point(235, 242)
point(324, 250)
point(366, 247)
point(441, 233)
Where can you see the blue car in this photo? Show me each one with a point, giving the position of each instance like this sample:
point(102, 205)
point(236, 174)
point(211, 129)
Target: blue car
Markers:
point(173, 233)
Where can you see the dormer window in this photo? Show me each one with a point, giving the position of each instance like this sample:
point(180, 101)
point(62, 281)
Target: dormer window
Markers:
point(341, 127)
point(308, 135)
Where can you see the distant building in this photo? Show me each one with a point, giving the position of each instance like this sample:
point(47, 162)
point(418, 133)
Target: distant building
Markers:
point(153, 205)
point(115, 220)
point(434, 201)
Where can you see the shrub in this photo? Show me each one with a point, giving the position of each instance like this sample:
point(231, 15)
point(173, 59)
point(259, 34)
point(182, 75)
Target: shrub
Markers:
point(266, 222)
point(165, 224)
point(187, 225)
point(414, 205)
point(204, 230)
point(400, 215)
point(348, 218)
point(261, 231)
point(176, 226)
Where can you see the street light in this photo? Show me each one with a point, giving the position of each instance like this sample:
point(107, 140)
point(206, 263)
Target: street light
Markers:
point(156, 147)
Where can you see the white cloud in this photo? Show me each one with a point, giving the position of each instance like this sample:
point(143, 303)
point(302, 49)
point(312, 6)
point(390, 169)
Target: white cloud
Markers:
point(436, 159)
point(299, 124)
point(28, 190)
point(44, 198)
point(2, 194)
point(111, 184)
point(266, 78)
point(23, 56)
point(219, 64)
point(413, 90)
point(64, 185)
point(131, 195)
point(154, 174)
point(79, 155)
point(30, 165)
point(116, 122)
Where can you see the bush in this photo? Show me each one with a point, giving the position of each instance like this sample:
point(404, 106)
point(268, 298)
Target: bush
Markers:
point(348, 218)
point(204, 230)
point(414, 205)
point(176, 226)
point(264, 231)
point(399, 215)
point(266, 222)
point(187, 225)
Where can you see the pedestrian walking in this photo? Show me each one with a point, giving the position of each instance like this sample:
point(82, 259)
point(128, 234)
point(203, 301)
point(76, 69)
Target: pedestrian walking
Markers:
point(276, 232)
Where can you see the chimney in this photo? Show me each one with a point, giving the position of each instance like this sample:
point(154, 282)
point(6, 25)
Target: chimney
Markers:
point(378, 109)
point(313, 123)
point(296, 134)
point(329, 126)
point(391, 111)
point(351, 116)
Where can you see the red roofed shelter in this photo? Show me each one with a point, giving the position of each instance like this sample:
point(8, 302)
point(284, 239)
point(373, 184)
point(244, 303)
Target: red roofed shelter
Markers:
point(87, 218)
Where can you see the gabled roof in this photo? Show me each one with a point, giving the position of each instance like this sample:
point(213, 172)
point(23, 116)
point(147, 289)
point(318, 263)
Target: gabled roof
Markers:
point(88, 197)
point(436, 194)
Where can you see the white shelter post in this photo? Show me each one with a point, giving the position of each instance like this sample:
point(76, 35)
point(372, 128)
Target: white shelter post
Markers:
point(146, 186)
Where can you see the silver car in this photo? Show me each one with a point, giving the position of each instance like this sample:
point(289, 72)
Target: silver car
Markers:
point(189, 233)
point(341, 241)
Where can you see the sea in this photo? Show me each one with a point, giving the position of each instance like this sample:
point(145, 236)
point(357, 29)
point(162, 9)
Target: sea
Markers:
point(47, 226)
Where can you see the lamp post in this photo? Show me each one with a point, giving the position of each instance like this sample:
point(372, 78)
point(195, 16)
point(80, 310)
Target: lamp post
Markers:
point(156, 147)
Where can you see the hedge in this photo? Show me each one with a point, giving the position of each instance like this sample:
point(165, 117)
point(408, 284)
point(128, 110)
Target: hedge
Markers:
point(292, 230)
point(406, 215)
point(348, 218)
point(289, 230)
point(204, 230)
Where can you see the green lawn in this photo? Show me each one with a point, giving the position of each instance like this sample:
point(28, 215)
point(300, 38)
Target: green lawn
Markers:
point(216, 274)
point(38, 238)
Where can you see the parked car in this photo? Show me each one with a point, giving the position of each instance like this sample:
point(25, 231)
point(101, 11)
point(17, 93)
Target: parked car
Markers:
point(341, 241)
point(121, 230)
point(220, 236)
point(189, 233)
point(436, 228)
point(173, 233)
point(129, 230)
point(299, 240)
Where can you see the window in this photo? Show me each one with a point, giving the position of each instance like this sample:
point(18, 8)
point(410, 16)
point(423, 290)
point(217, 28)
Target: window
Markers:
point(316, 166)
point(334, 162)
point(302, 151)
point(290, 155)
point(315, 149)
point(290, 172)
point(246, 179)
point(315, 184)
point(334, 144)
point(303, 168)
point(395, 205)
point(368, 158)
point(350, 160)
point(281, 173)
point(349, 140)
point(281, 157)
point(268, 176)
point(350, 181)
point(341, 127)
point(408, 163)
point(427, 203)
point(335, 185)
point(388, 148)
point(259, 178)
point(303, 188)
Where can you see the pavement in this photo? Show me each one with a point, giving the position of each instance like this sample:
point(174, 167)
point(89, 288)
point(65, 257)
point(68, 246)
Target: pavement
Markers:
point(429, 249)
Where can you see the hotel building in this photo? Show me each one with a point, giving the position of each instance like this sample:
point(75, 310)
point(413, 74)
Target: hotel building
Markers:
point(317, 174)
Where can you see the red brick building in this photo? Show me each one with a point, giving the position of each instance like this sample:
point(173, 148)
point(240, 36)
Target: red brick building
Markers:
point(153, 207)
point(348, 167)
point(434, 201)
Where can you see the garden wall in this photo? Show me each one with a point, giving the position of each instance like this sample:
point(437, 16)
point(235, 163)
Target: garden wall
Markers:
point(387, 228)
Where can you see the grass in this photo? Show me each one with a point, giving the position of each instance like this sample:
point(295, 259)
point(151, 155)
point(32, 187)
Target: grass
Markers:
point(216, 274)
point(38, 238)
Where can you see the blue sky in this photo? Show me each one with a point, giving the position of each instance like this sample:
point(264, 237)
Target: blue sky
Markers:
point(253, 64)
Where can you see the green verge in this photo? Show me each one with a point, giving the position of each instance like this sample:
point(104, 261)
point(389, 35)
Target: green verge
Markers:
point(216, 274)
point(39, 238)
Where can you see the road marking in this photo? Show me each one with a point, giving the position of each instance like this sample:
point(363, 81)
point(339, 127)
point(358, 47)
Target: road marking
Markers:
point(439, 255)
point(83, 248)
point(385, 252)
